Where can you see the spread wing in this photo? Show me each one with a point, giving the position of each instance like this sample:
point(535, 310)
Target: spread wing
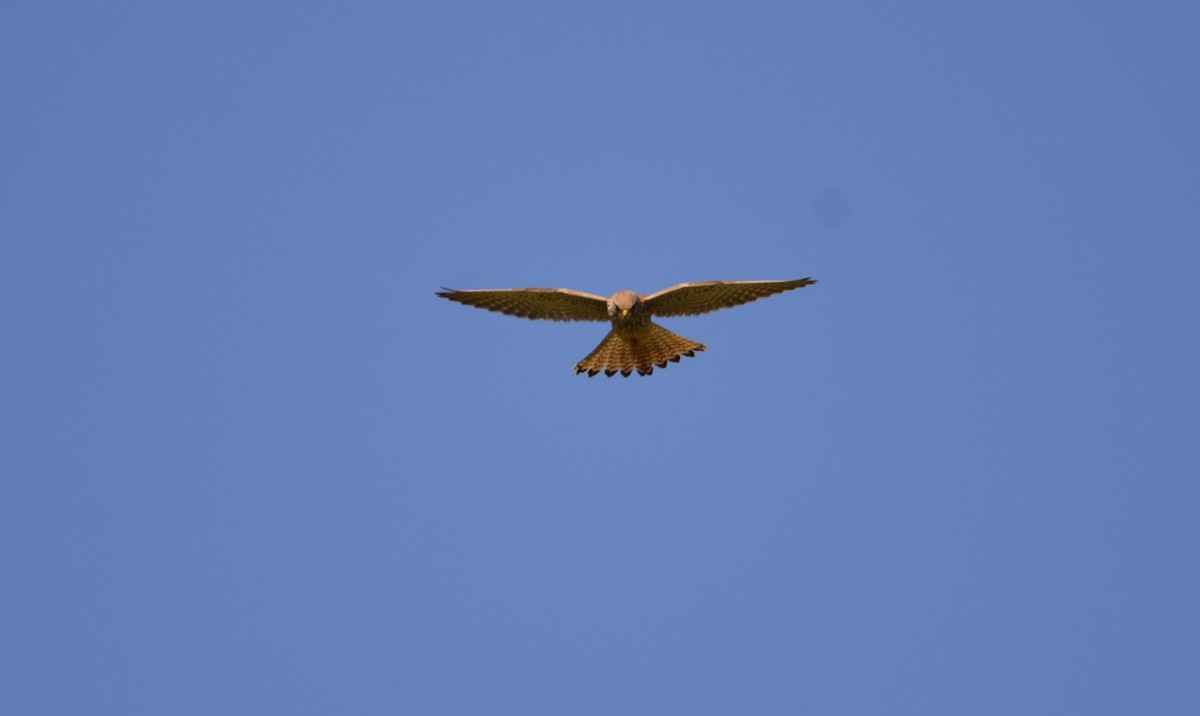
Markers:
point(551, 304)
point(690, 299)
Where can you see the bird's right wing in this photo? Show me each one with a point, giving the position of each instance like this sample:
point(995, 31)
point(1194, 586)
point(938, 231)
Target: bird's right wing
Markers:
point(550, 304)
point(690, 299)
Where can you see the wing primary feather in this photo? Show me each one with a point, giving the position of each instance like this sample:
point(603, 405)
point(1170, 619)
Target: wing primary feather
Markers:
point(552, 304)
point(689, 299)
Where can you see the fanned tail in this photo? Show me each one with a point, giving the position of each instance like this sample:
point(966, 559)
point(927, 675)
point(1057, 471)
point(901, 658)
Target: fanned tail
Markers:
point(656, 346)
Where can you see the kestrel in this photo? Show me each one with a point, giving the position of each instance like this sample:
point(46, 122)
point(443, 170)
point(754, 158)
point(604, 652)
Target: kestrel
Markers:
point(634, 343)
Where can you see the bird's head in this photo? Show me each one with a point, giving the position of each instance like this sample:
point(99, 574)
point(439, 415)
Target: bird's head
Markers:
point(623, 304)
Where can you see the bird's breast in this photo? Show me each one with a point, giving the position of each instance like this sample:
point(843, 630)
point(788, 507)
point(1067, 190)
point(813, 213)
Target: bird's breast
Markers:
point(631, 326)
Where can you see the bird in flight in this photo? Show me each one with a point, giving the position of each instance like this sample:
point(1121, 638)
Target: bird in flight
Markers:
point(635, 342)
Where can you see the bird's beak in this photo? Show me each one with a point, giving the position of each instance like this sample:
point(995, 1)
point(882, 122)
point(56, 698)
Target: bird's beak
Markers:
point(624, 312)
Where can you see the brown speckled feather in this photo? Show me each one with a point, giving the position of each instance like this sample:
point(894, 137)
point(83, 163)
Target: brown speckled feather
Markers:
point(634, 343)
point(655, 346)
point(551, 304)
point(690, 299)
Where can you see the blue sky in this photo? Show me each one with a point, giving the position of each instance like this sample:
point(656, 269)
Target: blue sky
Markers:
point(252, 465)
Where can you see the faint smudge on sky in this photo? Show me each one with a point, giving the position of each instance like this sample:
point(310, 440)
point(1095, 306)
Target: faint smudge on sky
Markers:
point(831, 207)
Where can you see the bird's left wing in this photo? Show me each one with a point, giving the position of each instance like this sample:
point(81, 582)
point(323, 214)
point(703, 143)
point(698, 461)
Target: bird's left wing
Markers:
point(690, 299)
point(550, 304)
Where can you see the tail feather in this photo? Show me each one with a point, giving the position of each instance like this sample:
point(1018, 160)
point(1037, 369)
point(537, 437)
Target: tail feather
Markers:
point(656, 346)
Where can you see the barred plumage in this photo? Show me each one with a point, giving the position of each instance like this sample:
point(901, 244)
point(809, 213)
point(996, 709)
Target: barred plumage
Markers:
point(634, 343)
point(654, 346)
